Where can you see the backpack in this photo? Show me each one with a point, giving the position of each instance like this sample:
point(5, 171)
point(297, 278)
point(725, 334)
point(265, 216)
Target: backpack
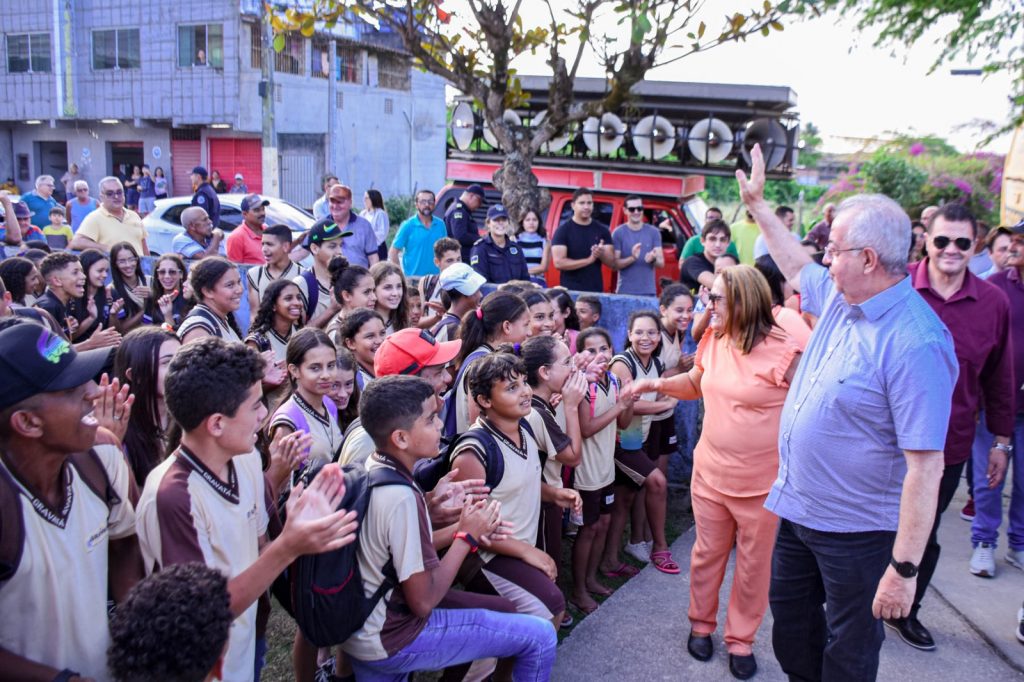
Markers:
point(630, 361)
point(428, 472)
point(430, 286)
point(451, 422)
point(324, 592)
point(291, 410)
point(87, 465)
point(313, 292)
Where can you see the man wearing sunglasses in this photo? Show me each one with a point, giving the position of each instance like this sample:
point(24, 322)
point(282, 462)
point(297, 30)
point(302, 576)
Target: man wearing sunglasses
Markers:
point(637, 251)
point(977, 314)
point(111, 222)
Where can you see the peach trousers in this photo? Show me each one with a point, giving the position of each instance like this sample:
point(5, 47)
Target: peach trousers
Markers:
point(722, 520)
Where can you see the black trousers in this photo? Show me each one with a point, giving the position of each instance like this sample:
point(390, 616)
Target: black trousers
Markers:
point(947, 489)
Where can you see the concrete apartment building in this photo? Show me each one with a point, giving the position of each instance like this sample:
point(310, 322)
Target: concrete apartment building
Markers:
point(102, 83)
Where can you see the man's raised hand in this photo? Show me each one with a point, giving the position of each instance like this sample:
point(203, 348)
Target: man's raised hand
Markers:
point(752, 189)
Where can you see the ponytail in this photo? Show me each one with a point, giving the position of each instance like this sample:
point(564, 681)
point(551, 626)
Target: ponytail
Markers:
point(485, 323)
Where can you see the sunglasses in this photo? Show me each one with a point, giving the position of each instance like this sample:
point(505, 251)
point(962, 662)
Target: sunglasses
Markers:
point(634, 209)
point(962, 243)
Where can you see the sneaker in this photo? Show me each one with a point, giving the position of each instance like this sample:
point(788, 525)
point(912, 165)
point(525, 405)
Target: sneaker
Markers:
point(567, 620)
point(983, 564)
point(967, 513)
point(639, 551)
point(1020, 625)
point(1015, 557)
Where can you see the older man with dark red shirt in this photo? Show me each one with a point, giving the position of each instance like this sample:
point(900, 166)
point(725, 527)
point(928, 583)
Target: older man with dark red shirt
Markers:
point(977, 314)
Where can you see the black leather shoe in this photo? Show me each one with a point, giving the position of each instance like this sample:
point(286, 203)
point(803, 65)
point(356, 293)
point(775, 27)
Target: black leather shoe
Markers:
point(700, 647)
point(912, 632)
point(742, 667)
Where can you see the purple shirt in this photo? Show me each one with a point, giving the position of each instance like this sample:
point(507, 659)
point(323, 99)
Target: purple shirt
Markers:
point(978, 317)
point(1009, 281)
point(819, 234)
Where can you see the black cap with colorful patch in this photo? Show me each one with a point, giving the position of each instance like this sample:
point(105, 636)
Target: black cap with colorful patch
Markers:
point(325, 230)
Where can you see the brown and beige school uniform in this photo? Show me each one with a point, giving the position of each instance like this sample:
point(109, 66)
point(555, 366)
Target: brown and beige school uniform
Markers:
point(188, 513)
point(260, 279)
point(596, 471)
point(203, 317)
point(54, 602)
point(320, 424)
point(323, 298)
point(548, 425)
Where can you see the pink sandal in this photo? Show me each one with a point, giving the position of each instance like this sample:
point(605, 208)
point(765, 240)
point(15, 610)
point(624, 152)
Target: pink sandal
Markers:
point(663, 562)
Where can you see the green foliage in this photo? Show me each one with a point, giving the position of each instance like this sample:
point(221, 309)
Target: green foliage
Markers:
point(922, 172)
point(778, 192)
point(399, 207)
point(810, 136)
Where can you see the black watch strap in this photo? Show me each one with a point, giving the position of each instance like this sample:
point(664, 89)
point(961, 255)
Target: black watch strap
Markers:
point(906, 569)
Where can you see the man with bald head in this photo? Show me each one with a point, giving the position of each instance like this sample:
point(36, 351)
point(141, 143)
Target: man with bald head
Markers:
point(111, 222)
point(200, 238)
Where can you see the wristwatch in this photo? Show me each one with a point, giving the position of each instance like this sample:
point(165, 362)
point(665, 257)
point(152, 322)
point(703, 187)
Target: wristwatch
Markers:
point(1005, 447)
point(906, 569)
point(468, 539)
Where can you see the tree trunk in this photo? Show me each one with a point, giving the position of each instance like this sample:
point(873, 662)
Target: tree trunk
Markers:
point(519, 189)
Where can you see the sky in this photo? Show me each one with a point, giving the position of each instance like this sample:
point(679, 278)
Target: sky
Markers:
point(847, 87)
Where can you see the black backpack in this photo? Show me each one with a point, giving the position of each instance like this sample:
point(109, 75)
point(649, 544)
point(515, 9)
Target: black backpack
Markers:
point(313, 289)
point(429, 471)
point(324, 592)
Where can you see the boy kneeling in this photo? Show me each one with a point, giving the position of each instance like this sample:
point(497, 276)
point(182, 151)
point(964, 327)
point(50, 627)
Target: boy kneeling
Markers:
point(405, 632)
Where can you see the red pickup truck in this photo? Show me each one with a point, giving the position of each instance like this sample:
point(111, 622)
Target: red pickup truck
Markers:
point(670, 203)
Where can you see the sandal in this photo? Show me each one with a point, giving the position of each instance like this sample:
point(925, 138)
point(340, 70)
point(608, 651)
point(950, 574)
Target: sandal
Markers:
point(623, 571)
point(584, 611)
point(663, 562)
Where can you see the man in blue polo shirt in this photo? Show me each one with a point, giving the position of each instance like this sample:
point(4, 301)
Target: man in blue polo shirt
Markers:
point(360, 248)
point(414, 241)
point(41, 201)
point(205, 196)
point(860, 439)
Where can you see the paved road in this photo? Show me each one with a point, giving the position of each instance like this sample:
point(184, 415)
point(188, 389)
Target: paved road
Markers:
point(639, 634)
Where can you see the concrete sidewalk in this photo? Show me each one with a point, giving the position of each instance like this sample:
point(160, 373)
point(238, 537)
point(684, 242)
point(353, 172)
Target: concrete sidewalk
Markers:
point(639, 633)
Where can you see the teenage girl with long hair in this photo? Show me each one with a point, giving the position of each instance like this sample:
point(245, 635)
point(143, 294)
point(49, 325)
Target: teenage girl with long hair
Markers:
point(94, 309)
point(217, 287)
point(390, 291)
point(169, 303)
point(278, 317)
point(128, 283)
point(353, 287)
point(361, 334)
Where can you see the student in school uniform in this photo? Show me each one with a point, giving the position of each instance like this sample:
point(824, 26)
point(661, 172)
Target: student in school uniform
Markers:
point(276, 244)
point(207, 501)
point(407, 631)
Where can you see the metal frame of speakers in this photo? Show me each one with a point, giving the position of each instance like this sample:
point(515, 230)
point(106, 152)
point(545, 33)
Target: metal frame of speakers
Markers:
point(711, 142)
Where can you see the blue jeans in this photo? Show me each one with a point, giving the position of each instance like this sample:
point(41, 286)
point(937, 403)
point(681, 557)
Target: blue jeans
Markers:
point(813, 568)
point(988, 502)
point(453, 636)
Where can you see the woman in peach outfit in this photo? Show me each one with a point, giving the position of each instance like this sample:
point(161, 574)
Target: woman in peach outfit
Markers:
point(742, 369)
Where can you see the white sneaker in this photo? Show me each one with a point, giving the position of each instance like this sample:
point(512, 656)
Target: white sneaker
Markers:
point(983, 564)
point(639, 551)
point(1015, 557)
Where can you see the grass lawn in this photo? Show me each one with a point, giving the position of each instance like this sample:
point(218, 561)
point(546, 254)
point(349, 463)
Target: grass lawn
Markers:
point(281, 628)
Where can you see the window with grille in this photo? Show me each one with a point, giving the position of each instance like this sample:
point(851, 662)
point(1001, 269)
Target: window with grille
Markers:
point(256, 46)
point(29, 53)
point(393, 72)
point(201, 45)
point(290, 59)
point(389, 105)
point(350, 65)
point(116, 49)
point(320, 58)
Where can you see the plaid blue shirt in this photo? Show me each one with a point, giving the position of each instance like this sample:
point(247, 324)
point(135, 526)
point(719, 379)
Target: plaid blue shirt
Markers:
point(876, 379)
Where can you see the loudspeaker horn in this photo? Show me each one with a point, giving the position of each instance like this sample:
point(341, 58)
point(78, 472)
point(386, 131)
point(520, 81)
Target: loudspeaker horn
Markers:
point(463, 125)
point(558, 142)
point(510, 117)
point(710, 141)
point(770, 134)
point(604, 136)
point(654, 137)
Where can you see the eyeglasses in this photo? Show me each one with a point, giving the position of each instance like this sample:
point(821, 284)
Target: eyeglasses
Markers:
point(113, 193)
point(127, 261)
point(715, 299)
point(162, 273)
point(634, 209)
point(831, 250)
point(962, 243)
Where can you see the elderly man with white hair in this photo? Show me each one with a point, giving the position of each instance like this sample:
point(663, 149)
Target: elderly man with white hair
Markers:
point(79, 205)
point(860, 439)
point(200, 238)
point(41, 200)
point(111, 222)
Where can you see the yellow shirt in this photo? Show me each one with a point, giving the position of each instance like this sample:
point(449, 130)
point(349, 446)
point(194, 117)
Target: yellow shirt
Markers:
point(744, 235)
point(107, 229)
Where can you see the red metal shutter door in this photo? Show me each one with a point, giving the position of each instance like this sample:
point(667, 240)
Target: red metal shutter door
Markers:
point(230, 155)
point(185, 155)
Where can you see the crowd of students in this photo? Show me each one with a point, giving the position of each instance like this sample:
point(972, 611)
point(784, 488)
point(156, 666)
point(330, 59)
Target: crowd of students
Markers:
point(195, 449)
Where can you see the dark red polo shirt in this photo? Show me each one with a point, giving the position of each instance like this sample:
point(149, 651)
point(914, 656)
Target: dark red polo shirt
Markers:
point(978, 317)
point(1009, 281)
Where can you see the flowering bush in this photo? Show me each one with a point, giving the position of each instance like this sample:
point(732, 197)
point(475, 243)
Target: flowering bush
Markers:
point(920, 173)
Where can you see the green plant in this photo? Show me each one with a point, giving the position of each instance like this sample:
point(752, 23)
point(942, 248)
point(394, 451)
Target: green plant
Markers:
point(399, 208)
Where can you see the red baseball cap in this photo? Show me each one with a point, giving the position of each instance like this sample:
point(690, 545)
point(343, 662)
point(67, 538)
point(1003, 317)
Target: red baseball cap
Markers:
point(408, 351)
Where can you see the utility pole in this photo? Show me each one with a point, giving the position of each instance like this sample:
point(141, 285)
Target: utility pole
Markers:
point(271, 171)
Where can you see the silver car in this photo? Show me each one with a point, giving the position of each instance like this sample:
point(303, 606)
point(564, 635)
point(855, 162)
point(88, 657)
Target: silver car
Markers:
point(164, 223)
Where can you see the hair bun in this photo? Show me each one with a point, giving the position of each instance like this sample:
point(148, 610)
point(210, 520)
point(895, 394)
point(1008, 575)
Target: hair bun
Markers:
point(337, 265)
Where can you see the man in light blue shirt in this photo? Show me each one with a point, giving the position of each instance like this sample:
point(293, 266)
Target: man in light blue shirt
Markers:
point(200, 238)
point(321, 208)
point(414, 241)
point(860, 439)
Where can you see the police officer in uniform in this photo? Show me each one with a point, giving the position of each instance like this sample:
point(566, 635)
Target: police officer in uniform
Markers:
point(495, 256)
point(459, 219)
point(205, 196)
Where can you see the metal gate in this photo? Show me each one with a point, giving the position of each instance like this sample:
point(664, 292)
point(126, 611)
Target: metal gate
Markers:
point(299, 179)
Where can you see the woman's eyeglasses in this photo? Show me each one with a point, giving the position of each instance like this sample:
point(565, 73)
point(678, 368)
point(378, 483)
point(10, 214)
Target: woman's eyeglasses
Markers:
point(715, 299)
point(162, 273)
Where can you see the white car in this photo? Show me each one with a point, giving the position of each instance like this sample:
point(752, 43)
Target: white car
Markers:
point(164, 223)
